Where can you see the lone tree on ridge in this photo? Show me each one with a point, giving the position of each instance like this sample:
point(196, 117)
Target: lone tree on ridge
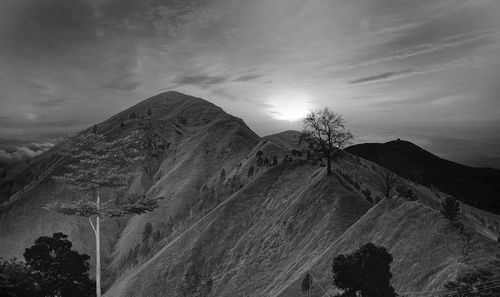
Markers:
point(325, 133)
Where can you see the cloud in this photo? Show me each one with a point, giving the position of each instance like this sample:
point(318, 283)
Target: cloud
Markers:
point(199, 80)
point(248, 77)
point(24, 152)
point(120, 84)
point(382, 76)
point(52, 102)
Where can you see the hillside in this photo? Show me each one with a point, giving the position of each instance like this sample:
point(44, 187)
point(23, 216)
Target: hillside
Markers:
point(240, 216)
point(287, 139)
point(426, 250)
point(190, 142)
point(253, 242)
point(479, 187)
point(261, 241)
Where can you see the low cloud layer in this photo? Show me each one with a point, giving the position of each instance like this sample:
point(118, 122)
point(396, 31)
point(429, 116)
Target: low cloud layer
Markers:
point(21, 153)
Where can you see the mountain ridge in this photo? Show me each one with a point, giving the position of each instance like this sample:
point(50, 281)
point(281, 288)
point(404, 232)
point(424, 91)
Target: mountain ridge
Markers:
point(476, 186)
point(232, 223)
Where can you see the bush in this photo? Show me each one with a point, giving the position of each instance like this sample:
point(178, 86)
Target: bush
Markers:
point(306, 284)
point(368, 195)
point(260, 161)
point(148, 230)
point(407, 193)
point(16, 280)
point(156, 236)
point(450, 208)
point(250, 171)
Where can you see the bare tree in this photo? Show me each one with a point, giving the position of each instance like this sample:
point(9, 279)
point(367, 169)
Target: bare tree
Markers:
point(94, 163)
point(325, 133)
point(387, 181)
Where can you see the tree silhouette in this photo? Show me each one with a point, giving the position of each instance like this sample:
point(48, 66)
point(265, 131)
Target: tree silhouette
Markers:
point(450, 208)
point(59, 270)
point(148, 229)
point(306, 284)
point(16, 280)
point(275, 161)
point(325, 133)
point(96, 163)
point(250, 171)
point(364, 273)
point(386, 181)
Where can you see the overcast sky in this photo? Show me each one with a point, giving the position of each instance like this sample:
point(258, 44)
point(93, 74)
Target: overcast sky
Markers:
point(423, 70)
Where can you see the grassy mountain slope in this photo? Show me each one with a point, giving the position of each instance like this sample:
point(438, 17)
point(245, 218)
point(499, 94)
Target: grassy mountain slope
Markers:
point(479, 187)
point(189, 143)
point(427, 251)
point(251, 244)
point(287, 139)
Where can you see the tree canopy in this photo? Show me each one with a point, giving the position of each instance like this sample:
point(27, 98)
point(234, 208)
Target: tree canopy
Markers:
point(58, 269)
point(96, 162)
point(450, 208)
point(16, 280)
point(364, 273)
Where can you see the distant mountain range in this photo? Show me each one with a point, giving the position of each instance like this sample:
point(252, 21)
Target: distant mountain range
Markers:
point(232, 224)
point(479, 187)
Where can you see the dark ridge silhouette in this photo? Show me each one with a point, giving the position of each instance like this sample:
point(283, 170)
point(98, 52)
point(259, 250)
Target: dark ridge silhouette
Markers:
point(479, 187)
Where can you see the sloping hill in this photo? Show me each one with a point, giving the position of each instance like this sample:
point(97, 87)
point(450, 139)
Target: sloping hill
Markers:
point(479, 187)
point(252, 243)
point(427, 252)
point(262, 240)
point(287, 139)
point(190, 143)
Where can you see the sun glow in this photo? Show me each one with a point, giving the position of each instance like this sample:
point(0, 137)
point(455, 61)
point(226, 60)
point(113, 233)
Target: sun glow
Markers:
point(290, 106)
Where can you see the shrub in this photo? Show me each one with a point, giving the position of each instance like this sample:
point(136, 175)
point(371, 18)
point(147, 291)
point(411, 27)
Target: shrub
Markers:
point(368, 195)
point(16, 280)
point(260, 161)
point(407, 193)
point(306, 284)
point(148, 229)
point(251, 171)
point(450, 208)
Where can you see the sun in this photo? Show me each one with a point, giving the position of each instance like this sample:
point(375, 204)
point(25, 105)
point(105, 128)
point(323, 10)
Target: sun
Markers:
point(289, 106)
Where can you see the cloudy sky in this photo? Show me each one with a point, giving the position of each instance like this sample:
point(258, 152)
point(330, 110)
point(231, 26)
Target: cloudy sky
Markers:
point(423, 70)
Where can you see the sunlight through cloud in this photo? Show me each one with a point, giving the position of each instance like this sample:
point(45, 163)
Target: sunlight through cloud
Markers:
point(289, 106)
